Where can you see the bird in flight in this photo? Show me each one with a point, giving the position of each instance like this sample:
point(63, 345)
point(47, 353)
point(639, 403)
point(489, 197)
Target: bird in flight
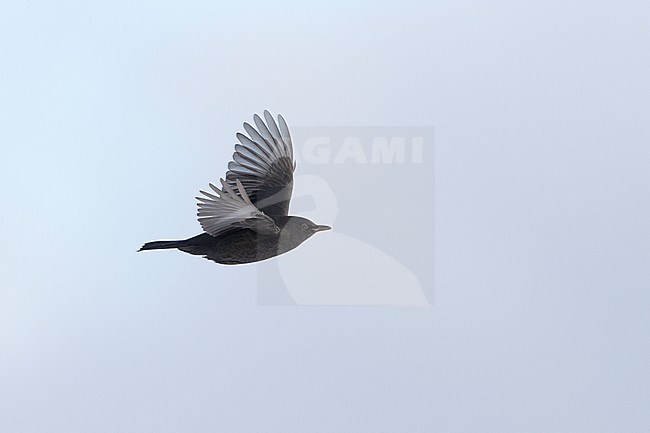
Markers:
point(247, 219)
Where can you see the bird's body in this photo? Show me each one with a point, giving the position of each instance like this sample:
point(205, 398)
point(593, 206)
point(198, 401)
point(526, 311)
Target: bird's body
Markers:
point(251, 224)
point(243, 245)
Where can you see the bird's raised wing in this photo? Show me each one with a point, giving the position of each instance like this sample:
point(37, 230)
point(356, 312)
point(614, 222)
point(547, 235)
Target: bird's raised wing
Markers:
point(227, 211)
point(264, 164)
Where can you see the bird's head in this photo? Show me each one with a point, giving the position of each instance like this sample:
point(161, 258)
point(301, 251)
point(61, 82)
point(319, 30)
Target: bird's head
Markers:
point(300, 229)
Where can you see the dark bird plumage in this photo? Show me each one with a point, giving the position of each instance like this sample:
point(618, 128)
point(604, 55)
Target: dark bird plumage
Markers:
point(246, 220)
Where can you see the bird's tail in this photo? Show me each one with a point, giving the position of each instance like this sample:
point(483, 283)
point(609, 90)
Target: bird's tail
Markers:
point(161, 245)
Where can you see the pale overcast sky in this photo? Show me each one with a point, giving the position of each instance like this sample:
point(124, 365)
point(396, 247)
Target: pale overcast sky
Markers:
point(115, 114)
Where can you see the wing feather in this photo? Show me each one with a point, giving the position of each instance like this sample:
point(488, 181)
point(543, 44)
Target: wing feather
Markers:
point(286, 136)
point(264, 163)
point(228, 211)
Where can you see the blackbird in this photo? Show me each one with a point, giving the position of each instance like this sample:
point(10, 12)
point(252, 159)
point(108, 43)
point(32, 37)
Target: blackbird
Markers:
point(246, 220)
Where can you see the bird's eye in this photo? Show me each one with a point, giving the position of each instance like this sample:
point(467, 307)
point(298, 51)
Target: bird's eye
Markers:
point(305, 226)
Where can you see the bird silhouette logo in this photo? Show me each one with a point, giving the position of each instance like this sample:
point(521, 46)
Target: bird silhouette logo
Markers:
point(247, 220)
